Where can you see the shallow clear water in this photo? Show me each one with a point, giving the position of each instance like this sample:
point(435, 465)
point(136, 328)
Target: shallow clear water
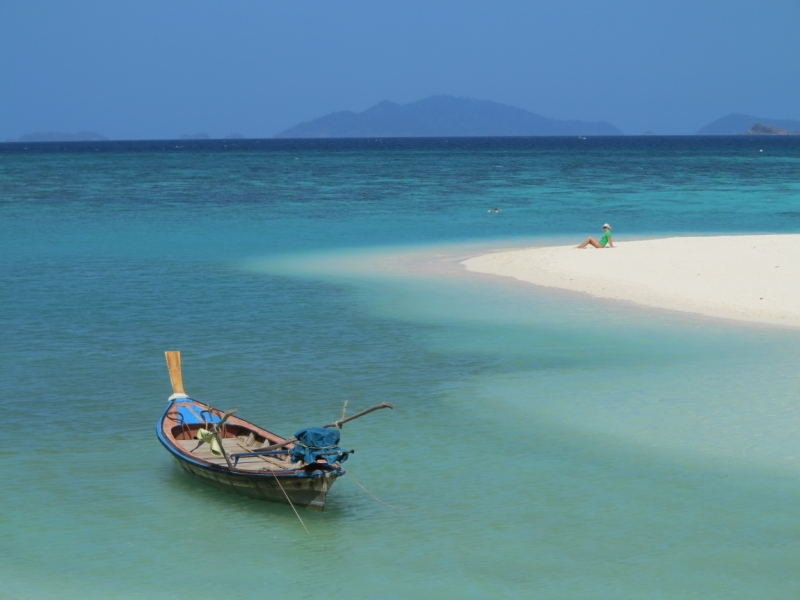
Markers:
point(542, 444)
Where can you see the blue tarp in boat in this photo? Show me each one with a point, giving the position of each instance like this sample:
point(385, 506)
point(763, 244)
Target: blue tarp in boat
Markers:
point(313, 442)
point(196, 416)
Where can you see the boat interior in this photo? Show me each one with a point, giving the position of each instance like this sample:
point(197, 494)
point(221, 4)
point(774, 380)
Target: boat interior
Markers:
point(239, 439)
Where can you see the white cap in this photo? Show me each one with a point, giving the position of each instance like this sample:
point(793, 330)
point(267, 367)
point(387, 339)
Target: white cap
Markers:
point(606, 225)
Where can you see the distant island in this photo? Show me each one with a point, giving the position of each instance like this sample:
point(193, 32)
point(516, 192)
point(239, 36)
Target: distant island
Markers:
point(57, 136)
point(195, 136)
point(443, 116)
point(737, 124)
point(759, 129)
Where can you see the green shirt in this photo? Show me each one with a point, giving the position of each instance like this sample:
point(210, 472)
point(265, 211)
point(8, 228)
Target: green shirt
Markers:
point(604, 239)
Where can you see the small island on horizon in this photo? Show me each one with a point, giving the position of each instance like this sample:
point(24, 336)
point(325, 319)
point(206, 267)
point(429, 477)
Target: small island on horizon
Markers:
point(58, 136)
point(759, 129)
point(738, 124)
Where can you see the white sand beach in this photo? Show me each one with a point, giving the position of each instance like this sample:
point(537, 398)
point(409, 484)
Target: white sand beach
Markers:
point(748, 278)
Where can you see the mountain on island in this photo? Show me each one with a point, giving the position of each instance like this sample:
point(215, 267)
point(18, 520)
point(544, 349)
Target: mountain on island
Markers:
point(56, 136)
point(737, 124)
point(442, 116)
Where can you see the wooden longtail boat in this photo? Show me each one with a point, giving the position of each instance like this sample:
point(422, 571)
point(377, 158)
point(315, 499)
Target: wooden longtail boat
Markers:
point(237, 456)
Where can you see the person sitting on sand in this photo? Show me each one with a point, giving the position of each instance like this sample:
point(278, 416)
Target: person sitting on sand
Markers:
point(606, 239)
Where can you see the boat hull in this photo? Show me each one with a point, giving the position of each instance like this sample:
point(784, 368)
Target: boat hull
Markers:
point(310, 491)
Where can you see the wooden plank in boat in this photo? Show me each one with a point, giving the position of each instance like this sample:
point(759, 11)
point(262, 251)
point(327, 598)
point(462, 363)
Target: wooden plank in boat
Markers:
point(249, 463)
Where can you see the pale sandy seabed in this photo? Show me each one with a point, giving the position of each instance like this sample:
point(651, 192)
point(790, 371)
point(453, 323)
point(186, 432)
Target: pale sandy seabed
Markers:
point(702, 416)
point(754, 278)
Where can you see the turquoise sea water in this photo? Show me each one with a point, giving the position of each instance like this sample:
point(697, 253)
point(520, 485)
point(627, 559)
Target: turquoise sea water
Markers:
point(543, 444)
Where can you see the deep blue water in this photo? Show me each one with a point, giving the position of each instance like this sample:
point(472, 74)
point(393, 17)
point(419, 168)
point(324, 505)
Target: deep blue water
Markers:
point(314, 194)
point(542, 445)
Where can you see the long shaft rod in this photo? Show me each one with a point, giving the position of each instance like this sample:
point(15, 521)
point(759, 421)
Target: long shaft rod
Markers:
point(329, 425)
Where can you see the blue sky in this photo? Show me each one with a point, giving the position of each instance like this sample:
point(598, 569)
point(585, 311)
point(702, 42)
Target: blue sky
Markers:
point(158, 69)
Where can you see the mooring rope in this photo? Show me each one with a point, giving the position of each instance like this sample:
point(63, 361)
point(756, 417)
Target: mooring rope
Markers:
point(371, 494)
point(290, 502)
